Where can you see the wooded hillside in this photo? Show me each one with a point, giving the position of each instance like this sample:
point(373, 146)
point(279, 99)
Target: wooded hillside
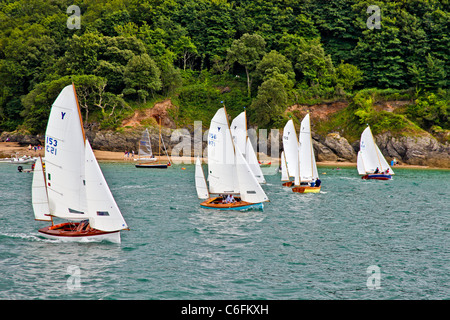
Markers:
point(260, 54)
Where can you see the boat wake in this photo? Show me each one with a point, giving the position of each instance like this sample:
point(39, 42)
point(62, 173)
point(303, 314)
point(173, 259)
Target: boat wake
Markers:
point(27, 237)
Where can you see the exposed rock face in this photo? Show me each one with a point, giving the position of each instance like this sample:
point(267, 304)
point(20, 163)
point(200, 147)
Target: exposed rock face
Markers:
point(417, 150)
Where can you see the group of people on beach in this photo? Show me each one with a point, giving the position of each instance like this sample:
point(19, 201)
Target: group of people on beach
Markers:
point(35, 148)
point(128, 154)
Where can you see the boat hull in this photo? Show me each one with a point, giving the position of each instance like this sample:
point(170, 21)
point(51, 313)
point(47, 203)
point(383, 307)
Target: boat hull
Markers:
point(377, 176)
point(288, 184)
point(152, 165)
point(306, 189)
point(214, 203)
point(67, 232)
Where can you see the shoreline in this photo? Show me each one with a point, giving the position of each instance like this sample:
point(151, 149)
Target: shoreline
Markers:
point(10, 148)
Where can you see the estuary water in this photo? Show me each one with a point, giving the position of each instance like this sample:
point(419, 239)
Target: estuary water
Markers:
point(357, 239)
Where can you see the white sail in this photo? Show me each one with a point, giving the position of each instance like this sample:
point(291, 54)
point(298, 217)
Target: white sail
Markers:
point(221, 160)
point(145, 147)
point(308, 168)
point(360, 163)
point(64, 158)
point(103, 212)
point(252, 161)
point(249, 187)
point(284, 173)
point(371, 155)
point(290, 147)
point(200, 182)
point(239, 133)
point(238, 129)
point(39, 193)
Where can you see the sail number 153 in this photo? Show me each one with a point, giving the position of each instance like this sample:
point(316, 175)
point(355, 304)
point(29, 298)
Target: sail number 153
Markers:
point(50, 145)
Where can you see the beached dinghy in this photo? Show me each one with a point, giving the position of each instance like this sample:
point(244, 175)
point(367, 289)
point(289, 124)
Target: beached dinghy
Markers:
point(371, 163)
point(232, 183)
point(72, 186)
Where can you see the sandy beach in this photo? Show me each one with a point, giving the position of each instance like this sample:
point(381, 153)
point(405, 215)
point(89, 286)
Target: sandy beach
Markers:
point(8, 149)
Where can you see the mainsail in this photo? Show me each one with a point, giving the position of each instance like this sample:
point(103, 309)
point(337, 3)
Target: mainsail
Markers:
point(145, 147)
point(221, 161)
point(308, 168)
point(64, 158)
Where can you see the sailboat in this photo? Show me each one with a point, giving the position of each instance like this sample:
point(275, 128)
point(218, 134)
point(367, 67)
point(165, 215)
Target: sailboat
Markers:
point(240, 137)
point(72, 186)
point(229, 174)
point(299, 160)
point(145, 158)
point(371, 163)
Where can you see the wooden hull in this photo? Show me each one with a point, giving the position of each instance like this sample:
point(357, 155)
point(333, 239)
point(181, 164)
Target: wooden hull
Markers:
point(377, 176)
point(152, 165)
point(216, 203)
point(67, 232)
point(306, 189)
point(288, 184)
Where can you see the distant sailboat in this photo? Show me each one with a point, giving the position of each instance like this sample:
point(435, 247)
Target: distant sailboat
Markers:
point(298, 159)
point(72, 186)
point(309, 177)
point(229, 174)
point(240, 137)
point(371, 163)
point(146, 159)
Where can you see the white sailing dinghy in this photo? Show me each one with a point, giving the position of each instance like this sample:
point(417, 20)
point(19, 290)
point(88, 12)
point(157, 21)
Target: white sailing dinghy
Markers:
point(309, 177)
point(240, 137)
point(298, 158)
point(72, 186)
point(229, 174)
point(371, 163)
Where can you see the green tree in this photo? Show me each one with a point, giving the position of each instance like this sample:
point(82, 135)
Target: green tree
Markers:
point(142, 75)
point(247, 51)
point(268, 106)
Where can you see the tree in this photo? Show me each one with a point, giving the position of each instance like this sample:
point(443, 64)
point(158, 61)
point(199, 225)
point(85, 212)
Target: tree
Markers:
point(275, 63)
point(270, 102)
point(347, 76)
point(185, 50)
point(247, 51)
point(141, 76)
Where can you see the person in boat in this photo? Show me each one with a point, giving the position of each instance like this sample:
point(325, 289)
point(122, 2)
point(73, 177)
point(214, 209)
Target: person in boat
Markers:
point(83, 225)
point(318, 182)
point(377, 170)
point(313, 183)
point(387, 171)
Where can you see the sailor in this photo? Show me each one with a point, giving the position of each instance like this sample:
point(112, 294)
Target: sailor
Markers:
point(318, 182)
point(377, 170)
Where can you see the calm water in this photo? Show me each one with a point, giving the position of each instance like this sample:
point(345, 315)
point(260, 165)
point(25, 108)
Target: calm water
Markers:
point(315, 246)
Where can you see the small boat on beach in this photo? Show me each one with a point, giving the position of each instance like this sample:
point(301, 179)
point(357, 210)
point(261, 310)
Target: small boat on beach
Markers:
point(146, 159)
point(371, 163)
point(232, 184)
point(72, 186)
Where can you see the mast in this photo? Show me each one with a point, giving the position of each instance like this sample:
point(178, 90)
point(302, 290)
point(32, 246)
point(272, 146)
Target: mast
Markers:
point(79, 113)
point(159, 139)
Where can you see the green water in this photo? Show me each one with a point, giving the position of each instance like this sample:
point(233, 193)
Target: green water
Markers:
point(302, 246)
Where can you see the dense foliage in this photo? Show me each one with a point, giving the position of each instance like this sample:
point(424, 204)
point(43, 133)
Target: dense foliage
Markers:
point(260, 54)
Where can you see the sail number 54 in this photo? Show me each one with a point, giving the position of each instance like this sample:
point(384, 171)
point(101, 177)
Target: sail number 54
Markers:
point(50, 145)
